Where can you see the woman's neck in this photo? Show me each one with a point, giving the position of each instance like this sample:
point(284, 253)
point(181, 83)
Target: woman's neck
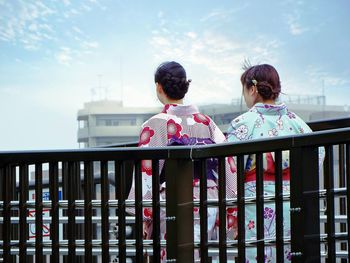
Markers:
point(271, 102)
point(170, 101)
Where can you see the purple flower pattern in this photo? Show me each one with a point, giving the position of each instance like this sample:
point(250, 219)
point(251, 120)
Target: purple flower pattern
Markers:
point(268, 213)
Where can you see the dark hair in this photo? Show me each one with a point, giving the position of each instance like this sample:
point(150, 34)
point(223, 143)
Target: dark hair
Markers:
point(172, 76)
point(266, 79)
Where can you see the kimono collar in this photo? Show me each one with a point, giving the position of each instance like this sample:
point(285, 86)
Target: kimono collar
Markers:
point(269, 109)
point(180, 109)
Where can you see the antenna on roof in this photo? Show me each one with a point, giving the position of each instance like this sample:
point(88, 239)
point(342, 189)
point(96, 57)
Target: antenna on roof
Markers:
point(121, 80)
point(101, 92)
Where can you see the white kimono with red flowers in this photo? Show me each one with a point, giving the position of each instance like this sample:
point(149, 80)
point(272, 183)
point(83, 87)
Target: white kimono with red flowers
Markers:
point(183, 123)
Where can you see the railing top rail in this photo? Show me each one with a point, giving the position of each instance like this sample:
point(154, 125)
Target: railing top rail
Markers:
point(329, 124)
point(327, 137)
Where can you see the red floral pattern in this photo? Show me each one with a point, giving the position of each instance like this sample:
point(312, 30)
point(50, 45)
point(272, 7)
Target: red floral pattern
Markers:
point(167, 106)
point(201, 118)
point(231, 217)
point(146, 136)
point(232, 164)
point(147, 213)
point(173, 129)
point(146, 167)
point(251, 224)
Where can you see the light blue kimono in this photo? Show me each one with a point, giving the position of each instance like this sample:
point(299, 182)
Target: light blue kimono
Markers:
point(264, 121)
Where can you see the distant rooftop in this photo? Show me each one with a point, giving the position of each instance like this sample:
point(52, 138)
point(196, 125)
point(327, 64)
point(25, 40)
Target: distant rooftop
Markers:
point(293, 99)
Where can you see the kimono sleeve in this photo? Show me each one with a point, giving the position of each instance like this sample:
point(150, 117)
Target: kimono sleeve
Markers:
point(321, 150)
point(216, 134)
point(153, 133)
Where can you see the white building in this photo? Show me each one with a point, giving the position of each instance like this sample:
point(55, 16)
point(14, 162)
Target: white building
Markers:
point(106, 122)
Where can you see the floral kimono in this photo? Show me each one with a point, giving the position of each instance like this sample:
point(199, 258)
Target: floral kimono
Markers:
point(264, 121)
point(185, 125)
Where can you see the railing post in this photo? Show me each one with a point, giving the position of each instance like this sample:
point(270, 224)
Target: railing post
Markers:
point(179, 210)
point(305, 207)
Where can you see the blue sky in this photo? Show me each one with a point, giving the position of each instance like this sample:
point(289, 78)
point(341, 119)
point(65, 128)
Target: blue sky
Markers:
point(54, 54)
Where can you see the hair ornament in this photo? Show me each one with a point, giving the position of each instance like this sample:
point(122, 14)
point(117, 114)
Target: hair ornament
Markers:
point(255, 82)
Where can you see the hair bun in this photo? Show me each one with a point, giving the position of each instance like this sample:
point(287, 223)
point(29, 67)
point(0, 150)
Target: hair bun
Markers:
point(172, 77)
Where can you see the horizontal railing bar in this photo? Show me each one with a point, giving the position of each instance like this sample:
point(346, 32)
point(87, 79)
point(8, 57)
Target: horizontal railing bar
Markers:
point(148, 203)
point(336, 191)
point(318, 138)
point(149, 251)
point(328, 124)
point(337, 218)
point(78, 219)
point(132, 242)
point(130, 252)
point(130, 219)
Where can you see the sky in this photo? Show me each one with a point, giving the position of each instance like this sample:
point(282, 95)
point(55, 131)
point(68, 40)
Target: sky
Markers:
point(57, 55)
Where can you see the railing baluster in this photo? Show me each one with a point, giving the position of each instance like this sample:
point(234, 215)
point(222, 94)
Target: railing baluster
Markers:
point(203, 211)
point(222, 211)
point(329, 183)
point(348, 193)
point(72, 187)
point(105, 211)
point(179, 210)
point(260, 208)
point(23, 212)
point(304, 205)
point(138, 212)
point(2, 183)
point(156, 211)
point(279, 207)
point(7, 214)
point(88, 189)
point(241, 209)
point(341, 184)
point(54, 211)
point(38, 213)
point(120, 170)
point(14, 196)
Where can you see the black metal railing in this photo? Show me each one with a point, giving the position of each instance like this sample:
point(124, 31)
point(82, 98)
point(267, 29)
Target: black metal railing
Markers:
point(74, 198)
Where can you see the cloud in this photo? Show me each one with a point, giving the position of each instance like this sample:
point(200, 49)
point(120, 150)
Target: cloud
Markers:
point(38, 26)
point(28, 25)
point(294, 24)
point(217, 52)
point(223, 14)
point(66, 2)
point(64, 56)
point(213, 59)
point(318, 75)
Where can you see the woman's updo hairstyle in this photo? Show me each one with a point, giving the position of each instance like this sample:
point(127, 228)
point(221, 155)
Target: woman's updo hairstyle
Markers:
point(266, 79)
point(172, 77)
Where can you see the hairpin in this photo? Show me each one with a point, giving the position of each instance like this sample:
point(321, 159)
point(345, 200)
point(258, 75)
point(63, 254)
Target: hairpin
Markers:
point(254, 81)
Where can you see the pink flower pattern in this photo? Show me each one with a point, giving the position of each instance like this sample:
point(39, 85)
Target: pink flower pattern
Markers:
point(145, 136)
point(167, 106)
point(201, 118)
point(173, 129)
point(146, 167)
point(251, 224)
point(232, 164)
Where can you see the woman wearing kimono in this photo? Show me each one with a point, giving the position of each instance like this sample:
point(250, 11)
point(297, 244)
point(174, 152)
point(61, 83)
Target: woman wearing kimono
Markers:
point(180, 124)
point(264, 119)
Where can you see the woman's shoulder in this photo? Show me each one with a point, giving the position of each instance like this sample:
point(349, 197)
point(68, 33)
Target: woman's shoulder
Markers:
point(245, 118)
point(158, 118)
point(241, 128)
point(296, 121)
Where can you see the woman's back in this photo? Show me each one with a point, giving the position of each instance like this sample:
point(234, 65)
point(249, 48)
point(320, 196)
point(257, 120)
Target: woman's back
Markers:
point(265, 119)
